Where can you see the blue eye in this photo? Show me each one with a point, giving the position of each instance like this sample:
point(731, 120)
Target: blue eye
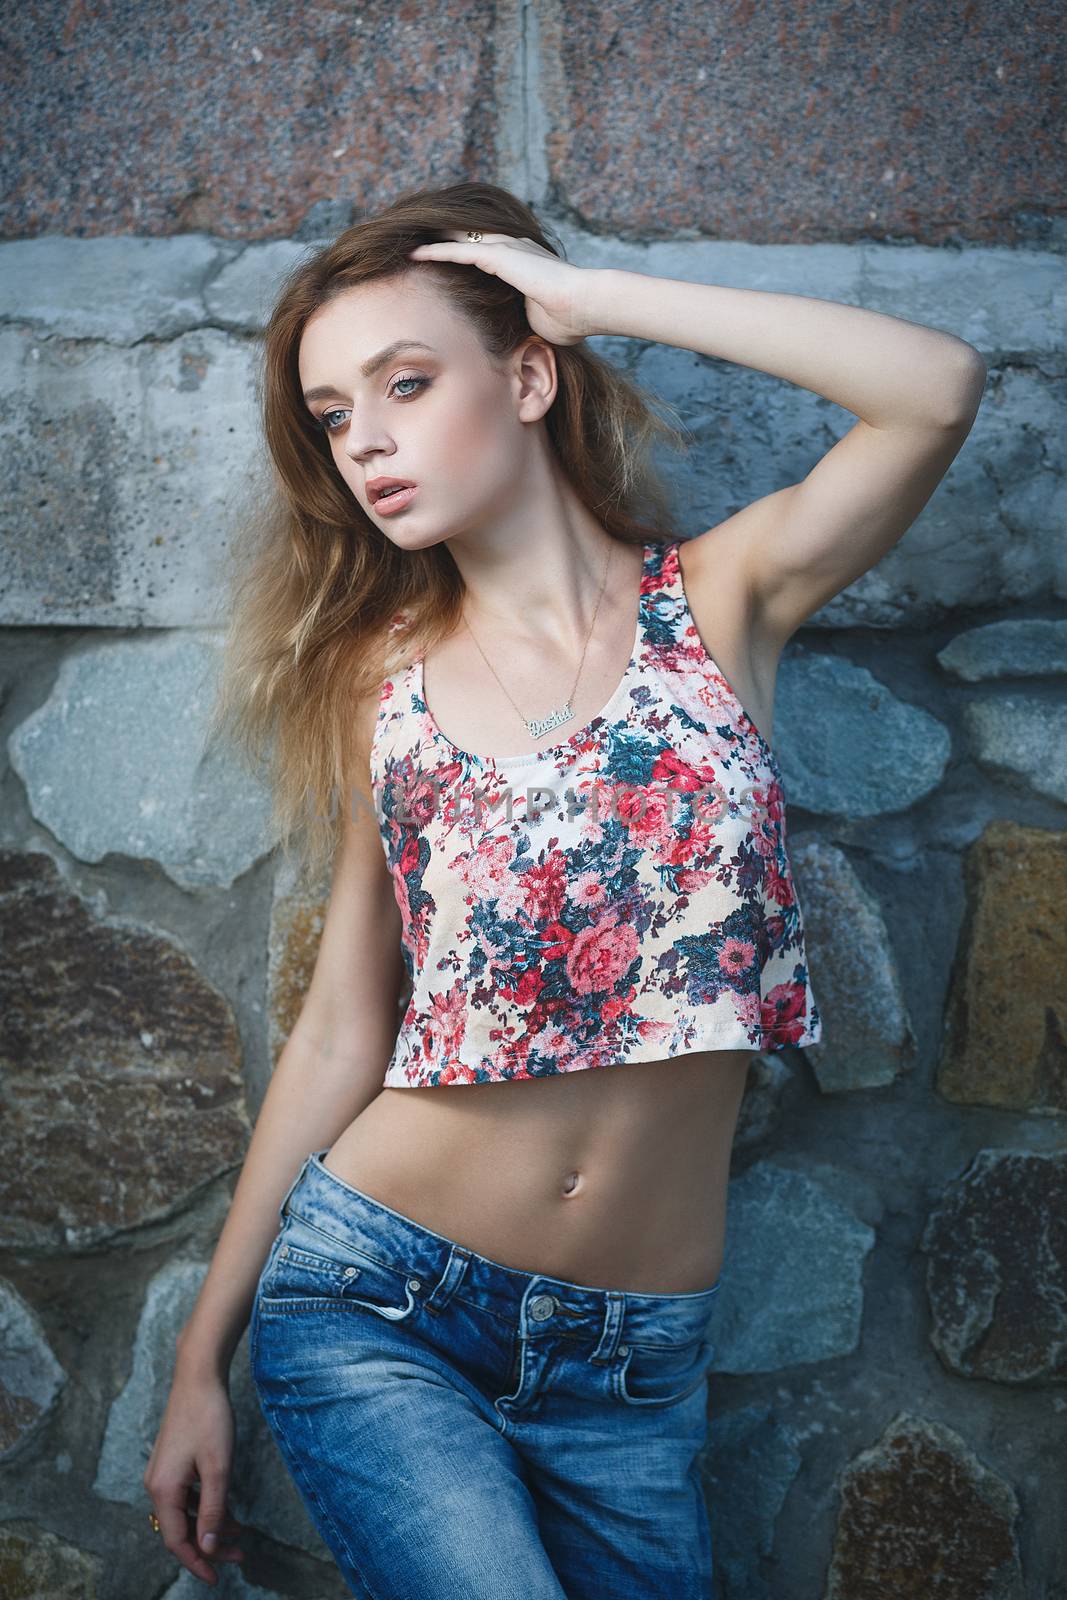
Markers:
point(327, 427)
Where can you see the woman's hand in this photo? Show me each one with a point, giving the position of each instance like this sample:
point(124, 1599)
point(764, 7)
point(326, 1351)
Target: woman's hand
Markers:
point(557, 294)
point(194, 1445)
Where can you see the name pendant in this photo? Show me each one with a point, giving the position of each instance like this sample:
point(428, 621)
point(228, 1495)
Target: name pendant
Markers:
point(555, 719)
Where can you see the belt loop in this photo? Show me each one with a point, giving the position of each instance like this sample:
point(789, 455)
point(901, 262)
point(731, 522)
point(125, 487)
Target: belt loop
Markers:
point(292, 1186)
point(450, 1279)
point(614, 1316)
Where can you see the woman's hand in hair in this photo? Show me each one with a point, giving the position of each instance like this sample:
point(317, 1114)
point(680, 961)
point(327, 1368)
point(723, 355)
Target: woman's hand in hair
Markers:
point(558, 295)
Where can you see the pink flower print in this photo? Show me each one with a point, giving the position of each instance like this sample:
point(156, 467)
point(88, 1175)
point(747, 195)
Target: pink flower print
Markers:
point(486, 871)
point(409, 856)
point(600, 955)
point(544, 888)
point(422, 793)
point(749, 1009)
point(446, 1021)
point(783, 1013)
point(458, 1072)
point(611, 1007)
point(647, 813)
point(736, 956)
point(655, 1032)
point(523, 987)
point(768, 817)
point(587, 890)
point(553, 1042)
point(703, 842)
point(404, 906)
point(710, 806)
point(556, 941)
point(679, 850)
point(670, 769)
point(777, 885)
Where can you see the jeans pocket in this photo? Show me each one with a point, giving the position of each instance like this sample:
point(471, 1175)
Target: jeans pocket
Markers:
point(662, 1375)
point(311, 1270)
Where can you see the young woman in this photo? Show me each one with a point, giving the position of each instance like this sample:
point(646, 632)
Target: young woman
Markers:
point(562, 915)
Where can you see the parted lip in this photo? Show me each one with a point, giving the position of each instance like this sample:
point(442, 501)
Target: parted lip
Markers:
point(376, 487)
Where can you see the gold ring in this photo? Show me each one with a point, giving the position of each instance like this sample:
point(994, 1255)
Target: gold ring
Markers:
point(154, 1520)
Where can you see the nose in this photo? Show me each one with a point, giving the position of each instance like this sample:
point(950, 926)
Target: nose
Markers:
point(357, 450)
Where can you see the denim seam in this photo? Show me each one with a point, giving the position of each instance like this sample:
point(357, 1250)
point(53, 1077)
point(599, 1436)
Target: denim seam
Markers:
point(297, 1469)
point(572, 1335)
point(475, 1305)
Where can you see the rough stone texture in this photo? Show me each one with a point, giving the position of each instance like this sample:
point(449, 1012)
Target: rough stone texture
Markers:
point(744, 123)
point(762, 140)
point(1023, 738)
point(30, 1376)
point(263, 1494)
point(241, 294)
point(120, 1068)
point(776, 1311)
point(118, 290)
point(990, 534)
point(120, 501)
point(997, 1272)
point(36, 1565)
point(259, 114)
point(853, 972)
point(298, 915)
point(921, 1516)
point(116, 760)
point(232, 1585)
point(297, 918)
point(130, 432)
point(761, 1103)
point(747, 1465)
point(123, 290)
point(848, 745)
point(1023, 647)
point(1006, 1019)
point(125, 471)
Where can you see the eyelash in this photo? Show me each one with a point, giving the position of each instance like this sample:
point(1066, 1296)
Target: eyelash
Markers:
point(322, 425)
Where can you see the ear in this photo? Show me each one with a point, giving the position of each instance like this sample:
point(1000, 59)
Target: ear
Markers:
point(537, 378)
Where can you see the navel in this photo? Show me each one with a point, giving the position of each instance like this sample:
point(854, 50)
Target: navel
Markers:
point(572, 1182)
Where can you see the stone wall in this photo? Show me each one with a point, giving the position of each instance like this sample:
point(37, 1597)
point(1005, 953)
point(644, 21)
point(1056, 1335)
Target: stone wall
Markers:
point(887, 1396)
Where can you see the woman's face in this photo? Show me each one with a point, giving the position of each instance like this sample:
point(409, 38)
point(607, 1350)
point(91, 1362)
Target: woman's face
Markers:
point(441, 417)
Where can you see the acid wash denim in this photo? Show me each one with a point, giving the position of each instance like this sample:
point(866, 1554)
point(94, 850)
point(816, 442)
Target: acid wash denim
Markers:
point(461, 1430)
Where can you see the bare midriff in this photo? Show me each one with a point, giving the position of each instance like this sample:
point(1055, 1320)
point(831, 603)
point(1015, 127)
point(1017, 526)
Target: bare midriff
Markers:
point(615, 1177)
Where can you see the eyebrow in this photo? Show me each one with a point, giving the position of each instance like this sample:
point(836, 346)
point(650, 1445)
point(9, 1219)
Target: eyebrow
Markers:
point(372, 365)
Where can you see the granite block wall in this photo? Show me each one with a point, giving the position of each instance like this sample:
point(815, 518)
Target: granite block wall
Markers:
point(887, 1397)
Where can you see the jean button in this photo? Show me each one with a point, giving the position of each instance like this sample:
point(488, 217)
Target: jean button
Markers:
point(350, 1272)
point(624, 1349)
point(542, 1306)
point(414, 1283)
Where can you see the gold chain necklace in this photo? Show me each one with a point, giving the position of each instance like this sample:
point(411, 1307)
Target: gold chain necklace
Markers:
point(536, 726)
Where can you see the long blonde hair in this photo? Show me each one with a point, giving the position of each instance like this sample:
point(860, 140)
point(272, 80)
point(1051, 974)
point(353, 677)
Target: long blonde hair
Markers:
point(322, 606)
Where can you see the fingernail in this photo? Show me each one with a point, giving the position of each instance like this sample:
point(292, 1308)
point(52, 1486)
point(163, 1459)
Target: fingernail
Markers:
point(209, 1541)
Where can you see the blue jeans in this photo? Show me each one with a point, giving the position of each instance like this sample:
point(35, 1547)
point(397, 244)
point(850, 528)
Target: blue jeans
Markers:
point(462, 1430)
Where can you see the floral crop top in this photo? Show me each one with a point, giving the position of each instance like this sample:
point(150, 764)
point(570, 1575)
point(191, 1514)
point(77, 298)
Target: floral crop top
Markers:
point(624, 895)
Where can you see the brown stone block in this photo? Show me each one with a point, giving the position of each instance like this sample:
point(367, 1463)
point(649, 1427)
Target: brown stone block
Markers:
point(120, 1065)
point(1003, 1043)
point(921, 1515)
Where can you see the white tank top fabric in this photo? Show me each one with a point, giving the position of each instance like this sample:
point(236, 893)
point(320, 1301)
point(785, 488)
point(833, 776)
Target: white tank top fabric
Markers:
point(622, 895)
